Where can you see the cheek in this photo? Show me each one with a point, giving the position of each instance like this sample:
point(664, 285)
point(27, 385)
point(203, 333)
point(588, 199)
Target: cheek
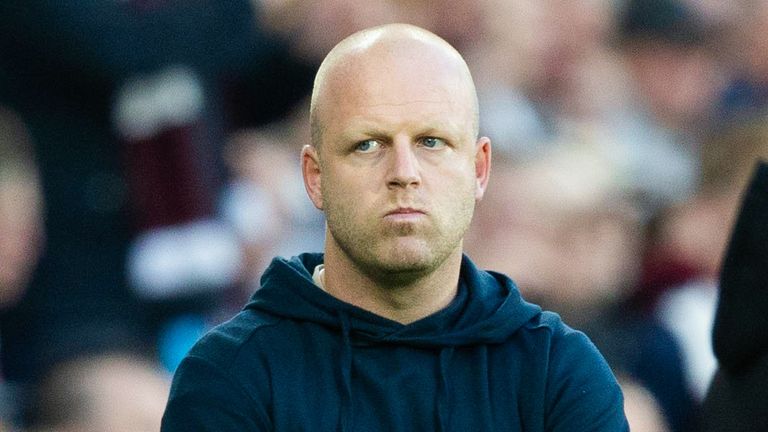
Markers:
point(347, 196)
point(456, 181)
point(454, 194)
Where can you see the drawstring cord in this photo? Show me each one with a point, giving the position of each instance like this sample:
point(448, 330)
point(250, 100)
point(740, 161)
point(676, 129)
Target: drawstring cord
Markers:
point(442, 388)
point(346, 374)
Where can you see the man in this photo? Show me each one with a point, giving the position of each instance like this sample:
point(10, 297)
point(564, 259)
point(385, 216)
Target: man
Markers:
point(393, 329)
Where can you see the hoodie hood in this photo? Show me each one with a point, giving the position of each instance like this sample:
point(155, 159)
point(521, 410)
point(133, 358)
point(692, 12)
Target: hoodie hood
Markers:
point(488, 308)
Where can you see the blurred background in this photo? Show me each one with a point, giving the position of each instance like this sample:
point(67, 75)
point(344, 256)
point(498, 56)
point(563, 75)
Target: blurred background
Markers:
point(149, 172)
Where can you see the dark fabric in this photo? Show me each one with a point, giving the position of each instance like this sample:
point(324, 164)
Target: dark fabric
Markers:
point(297, 358)
point(741, 321)
point(738, 397)
point(738, 401)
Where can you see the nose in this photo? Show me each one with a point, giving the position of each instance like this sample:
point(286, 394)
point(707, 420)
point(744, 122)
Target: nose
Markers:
point(404, 165)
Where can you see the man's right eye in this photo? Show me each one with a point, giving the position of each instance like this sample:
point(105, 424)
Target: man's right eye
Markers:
point(367, 146)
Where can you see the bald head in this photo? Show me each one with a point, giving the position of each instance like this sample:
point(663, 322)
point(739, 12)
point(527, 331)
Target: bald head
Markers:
point(385, 65)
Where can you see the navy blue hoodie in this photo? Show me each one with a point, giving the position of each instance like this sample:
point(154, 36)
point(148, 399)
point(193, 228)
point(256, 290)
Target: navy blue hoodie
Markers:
point(298, 359)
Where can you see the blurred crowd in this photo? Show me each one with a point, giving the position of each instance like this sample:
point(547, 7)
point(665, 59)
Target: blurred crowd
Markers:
point(149, 172)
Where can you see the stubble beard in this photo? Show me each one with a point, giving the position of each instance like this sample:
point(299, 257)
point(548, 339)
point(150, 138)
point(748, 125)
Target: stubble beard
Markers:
point(396, 254)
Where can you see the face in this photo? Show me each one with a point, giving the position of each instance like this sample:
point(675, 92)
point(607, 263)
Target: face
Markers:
point(399, 169)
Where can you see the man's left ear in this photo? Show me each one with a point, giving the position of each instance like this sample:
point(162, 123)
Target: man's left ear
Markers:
point(310, 171)
point(482, 166)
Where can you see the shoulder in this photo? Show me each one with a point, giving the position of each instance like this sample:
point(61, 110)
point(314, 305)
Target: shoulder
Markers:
point(569, 350)
point(225, 343)
point(562, 351)
point(551, 332)
point(212, 391)
point(581, 391)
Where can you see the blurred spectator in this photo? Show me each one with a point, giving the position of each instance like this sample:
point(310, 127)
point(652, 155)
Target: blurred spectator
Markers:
point(534, 71)
point(542, 217)
point(642, 409)
point(314, 27)
point(745, 50)
point(563, 228)
point(666, 44)
point(109, 392)
point(124, 102)
point(21, 235)
point(265, 202)
point(547, 72)
point(677, 81)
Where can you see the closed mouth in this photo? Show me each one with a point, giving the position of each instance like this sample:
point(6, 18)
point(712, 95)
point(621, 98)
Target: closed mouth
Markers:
point(405, 211)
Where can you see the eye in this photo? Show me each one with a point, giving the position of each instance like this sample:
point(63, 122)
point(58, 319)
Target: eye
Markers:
point(367, 146)
point(433, 143)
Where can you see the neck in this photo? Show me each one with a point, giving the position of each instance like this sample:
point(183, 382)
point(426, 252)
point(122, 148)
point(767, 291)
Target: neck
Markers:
point(407, 299)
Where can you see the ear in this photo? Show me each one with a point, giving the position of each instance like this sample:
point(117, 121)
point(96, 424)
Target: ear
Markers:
point(310, 170)
point(482, 166)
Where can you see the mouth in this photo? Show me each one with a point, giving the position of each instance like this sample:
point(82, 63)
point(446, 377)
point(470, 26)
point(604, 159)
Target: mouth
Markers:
point(404, 214)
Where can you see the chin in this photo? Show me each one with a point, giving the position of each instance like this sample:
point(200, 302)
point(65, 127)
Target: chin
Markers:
point(409, 259)
point(407, 264)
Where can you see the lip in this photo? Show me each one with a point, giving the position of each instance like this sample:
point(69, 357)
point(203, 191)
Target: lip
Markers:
point(404, 213)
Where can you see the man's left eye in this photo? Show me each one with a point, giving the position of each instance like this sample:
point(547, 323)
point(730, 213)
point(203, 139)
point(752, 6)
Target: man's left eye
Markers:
point(432, 142)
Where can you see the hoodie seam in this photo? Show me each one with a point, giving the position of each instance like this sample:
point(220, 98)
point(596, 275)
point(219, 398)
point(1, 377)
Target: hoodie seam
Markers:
point(227, 375)
point(249, 339)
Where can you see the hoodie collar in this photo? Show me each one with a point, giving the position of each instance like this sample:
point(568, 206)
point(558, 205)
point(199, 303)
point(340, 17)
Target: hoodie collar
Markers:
point(488, 307)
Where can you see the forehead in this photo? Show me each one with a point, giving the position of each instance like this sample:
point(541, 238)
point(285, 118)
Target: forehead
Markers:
point(394, 84)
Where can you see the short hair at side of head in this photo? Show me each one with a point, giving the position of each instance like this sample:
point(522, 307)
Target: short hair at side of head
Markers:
point(316, 128)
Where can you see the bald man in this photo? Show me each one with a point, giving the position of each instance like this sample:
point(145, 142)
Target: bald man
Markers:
point(393, 328)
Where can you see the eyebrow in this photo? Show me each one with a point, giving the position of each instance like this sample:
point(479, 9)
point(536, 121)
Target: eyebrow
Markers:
point(358, 129)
